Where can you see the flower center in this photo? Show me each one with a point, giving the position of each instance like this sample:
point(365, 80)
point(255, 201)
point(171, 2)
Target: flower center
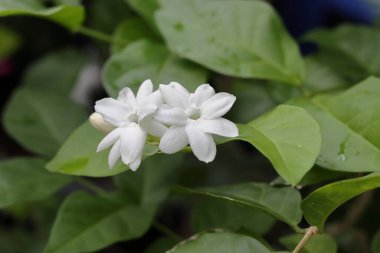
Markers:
point(134, 117)
point(193, 113)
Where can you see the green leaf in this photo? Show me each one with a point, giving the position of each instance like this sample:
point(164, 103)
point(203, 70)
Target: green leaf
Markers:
point(78, 155)
point(322, 202)
point(236, 38)
point(225, 242)
point(145, 8)
point(69, 16)
point(87, 223)
point(129, 31)
point(58, 72)
point(375, 245)
point(149, 60)
point(160, 245)
point(282, 203)
point(152, 181)
point(9, 43)
point(230, 216)
point(41, 120)
point(316, 244)
point(289, 137)
point(349, 124)
point(351, 50)
point(25, 179)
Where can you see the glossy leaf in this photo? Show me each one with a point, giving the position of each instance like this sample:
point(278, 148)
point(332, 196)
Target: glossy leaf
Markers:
point(86, 223)
point(322, 202)
point(10, 41)
point(78, 155)
point(149, 60)
point(235, 38)
point(41, 120)
point(152, 181)
point(69, 16)
point(25, 179)
point(322, 243)
point(129, 31)
point(225, 242)
point(218, 213)
point(289, 137)
point(349, 124)
point(282, 203)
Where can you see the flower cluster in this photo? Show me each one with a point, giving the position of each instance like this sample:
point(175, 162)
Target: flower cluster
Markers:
point(178, 117)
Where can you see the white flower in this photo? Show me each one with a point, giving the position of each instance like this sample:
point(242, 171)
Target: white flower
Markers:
point(132, 119)
point(193, 118)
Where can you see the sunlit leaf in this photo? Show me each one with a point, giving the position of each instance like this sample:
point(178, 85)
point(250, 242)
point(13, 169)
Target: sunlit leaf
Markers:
point(236, 38)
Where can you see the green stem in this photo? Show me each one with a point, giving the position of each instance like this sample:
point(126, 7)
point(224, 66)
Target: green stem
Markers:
point(165, 230)
point(95, 34)
point(91, 186)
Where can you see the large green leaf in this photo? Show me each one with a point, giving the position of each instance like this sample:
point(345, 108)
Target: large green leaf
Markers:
point(349, 124)
point(152, 182)
point(237, 38)
point(78, 155)
point(69, 16)
point(283, 203)
point(145, 8)
point(160, 245)
point(351, 50)
point(10, 41)
point(225, 242)
point(25, 179)
point(86, 223)
point(289, 137)
point(149, 60)
point(41, 120)
point(230, 216)
point(322, 202)
point(316, 244)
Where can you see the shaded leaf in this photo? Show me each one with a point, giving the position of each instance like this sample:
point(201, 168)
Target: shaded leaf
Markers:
point(87, 223)
point(69, 16)
point(149, 60)
point(19, 175)
point(10, 41)
point(235, 38)
point(225, 242)
point(78, 155)
point(316, 244)
point(160, 245)
point(145, 8)
point(322, 202)
point(375, 245)
point(282, 203)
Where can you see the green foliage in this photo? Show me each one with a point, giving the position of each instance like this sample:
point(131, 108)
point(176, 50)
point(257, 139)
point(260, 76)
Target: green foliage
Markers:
point(69, 16)
point(322, 202)
point(235, 38)
point(317, 244)
point(289, 137)
point(149, 60)
point(10, 42)
point(349, 123)
point(145, 8)
point(225, 242)
point(88, 223)
point(283, 203)
point(375, 246)
point(24, 179)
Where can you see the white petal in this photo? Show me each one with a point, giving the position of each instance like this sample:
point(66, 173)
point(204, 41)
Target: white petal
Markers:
point(98, 122)
point(133, 139)
point(173, 140)
point(127, 97)
point(114, 155)
point(217, 105)
point(113, 111)
point(171, 116)
point(146, 111)
point(219, 126)
point(135, 164)
point(155, 98)
point(144, 91)
point(201, 143)
point(153, 127)
point(201, 94)
point(109, 140)
point(175, 95)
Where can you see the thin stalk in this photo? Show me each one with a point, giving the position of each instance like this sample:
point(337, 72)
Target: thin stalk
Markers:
point(309, 233)
point(167, 231)
point(95, 34)
point(91, 186)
